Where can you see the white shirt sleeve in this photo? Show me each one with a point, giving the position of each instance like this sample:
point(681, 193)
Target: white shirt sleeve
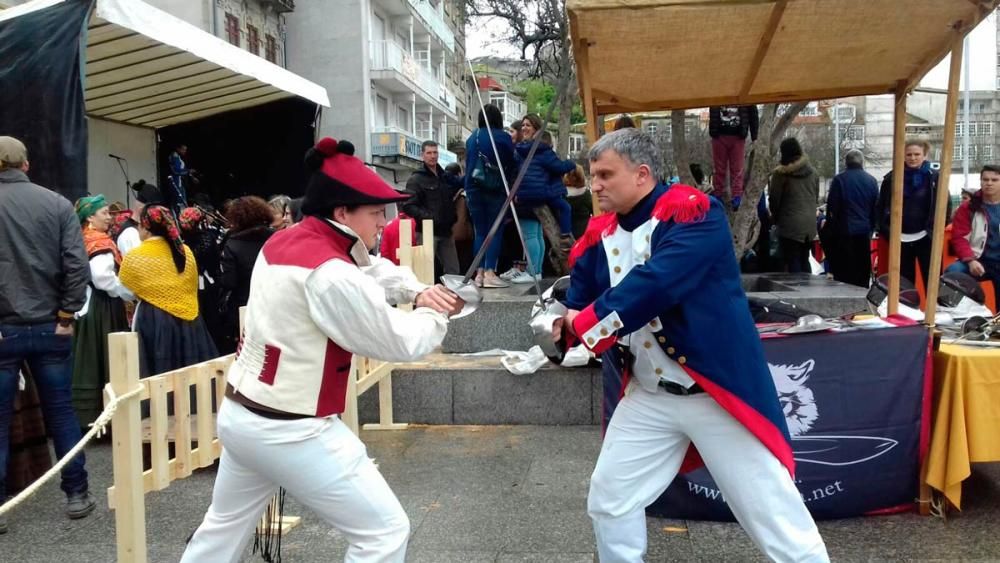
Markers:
point(400, 284)
point(103, 277)
point(351, 309)
point(128, 239)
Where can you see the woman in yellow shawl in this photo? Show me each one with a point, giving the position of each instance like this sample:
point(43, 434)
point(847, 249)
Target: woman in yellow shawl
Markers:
point(164, 276)
point(103, 313)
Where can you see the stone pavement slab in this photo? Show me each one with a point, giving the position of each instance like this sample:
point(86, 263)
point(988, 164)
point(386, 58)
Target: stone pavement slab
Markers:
point(496, 494)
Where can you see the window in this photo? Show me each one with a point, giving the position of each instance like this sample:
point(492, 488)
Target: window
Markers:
point(855, 133)
point(972, 128)
point(960, 129)
point(957, 152)
point(270, 49)
point(811, 110)
point(986, 128)
point(986, 152)
point(651, 128)
point(982, 107)
point(576, 143)
point(381, 111)
point(403, 118)
point(253, 40)
point(233, 29)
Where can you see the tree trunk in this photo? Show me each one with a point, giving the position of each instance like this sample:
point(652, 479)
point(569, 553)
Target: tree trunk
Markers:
point(760, 161)
point(678, 141)
point(565, 121)
point(550, 227)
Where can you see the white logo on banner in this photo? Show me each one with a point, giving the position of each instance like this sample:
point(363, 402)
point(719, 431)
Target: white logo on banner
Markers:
point(801, 412)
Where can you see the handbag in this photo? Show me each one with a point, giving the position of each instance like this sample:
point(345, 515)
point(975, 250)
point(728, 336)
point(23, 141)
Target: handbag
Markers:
point(486, 176)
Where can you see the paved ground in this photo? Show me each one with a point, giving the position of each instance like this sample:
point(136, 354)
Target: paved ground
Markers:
point(493, 494)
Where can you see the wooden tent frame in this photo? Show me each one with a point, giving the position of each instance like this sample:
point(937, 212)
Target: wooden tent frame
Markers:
point(969, 13)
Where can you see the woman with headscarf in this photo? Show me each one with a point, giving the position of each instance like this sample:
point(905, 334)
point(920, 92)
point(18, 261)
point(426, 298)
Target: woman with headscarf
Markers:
point(104, 311)
point(164, 276)
point(204, 236)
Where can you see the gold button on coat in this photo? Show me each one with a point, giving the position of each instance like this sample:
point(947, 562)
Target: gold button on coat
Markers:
point(604, 332)
point(647, 344)
point(614, 251)
point(618, 269)
point(671, 350)
point(663, 340)
point(682, 360)
point(617, 324)
point(659, 371)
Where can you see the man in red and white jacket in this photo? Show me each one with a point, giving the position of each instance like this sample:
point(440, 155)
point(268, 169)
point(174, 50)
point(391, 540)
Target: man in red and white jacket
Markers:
point(975, 231)
point(317, 297)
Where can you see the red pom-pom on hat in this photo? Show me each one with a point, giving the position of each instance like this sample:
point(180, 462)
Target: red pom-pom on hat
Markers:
point(327, 146)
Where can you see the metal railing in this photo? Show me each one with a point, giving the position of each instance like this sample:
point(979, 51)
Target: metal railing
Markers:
point(386, 54)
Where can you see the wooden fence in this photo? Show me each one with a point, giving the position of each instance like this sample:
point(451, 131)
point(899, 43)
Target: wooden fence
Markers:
point(193, 435)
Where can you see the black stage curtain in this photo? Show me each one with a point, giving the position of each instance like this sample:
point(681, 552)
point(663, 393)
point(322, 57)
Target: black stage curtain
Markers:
point(254, 151)
point(41, 93)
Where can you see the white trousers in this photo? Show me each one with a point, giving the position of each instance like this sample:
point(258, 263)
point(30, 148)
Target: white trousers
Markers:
point(321, 463)
point(646, 441)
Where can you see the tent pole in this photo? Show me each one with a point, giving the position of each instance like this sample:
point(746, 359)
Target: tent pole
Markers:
point(943, 193)
point(589, 106)
point(896, 216)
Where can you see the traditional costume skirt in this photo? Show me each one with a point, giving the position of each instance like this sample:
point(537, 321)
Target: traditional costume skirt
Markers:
point(167, 343)
point(105, 314)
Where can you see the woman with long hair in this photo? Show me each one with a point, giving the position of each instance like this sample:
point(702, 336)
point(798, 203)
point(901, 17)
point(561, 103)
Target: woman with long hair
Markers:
point(249, 228)
point(163, 274)
point(104, 311)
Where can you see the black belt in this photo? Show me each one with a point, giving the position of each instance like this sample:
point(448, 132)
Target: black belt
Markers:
point(237, 397)
point(678, 389)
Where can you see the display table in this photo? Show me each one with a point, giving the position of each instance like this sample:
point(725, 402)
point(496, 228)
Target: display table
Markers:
point(857, 405)
point(966, 425)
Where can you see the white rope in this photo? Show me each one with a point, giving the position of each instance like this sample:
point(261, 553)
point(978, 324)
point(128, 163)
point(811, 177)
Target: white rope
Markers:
point(96, 430)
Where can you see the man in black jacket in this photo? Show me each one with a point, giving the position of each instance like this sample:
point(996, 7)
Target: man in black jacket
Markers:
point(432, 194)
point(728, 126)
point(43, 282)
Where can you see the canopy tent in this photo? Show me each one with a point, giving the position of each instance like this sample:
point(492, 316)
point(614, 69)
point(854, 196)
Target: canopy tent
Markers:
point(643, 55)
point(647, 55)
point(145, 67)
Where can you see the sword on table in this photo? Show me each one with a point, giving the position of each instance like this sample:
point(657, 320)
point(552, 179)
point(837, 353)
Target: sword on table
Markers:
point(462, 285)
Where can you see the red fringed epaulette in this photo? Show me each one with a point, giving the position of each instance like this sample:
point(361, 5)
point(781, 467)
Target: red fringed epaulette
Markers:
point(597, 227)
point(683, 204)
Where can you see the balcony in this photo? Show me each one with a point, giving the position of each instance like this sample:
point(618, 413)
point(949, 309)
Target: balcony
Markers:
point(388, 56)
point(280, 6)
point(434, 21)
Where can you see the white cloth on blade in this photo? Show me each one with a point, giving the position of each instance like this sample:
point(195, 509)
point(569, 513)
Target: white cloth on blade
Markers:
point(524, 363)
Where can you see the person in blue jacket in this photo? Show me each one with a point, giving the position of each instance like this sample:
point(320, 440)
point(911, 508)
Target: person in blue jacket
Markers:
point(542, 183)
point(484, 190)
point(850, 211)
point(655, 278)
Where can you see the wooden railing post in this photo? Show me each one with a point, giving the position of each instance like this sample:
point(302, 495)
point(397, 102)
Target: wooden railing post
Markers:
point(130, 509)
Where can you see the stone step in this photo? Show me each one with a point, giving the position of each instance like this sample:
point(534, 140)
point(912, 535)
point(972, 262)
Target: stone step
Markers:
point(502, 319)
point(453, 389)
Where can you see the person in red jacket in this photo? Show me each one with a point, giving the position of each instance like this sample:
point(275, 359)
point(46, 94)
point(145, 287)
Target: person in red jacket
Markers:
point(975, 231)
point(389, 243)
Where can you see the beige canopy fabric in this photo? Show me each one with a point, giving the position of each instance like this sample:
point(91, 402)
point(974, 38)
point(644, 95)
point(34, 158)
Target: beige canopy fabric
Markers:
point(641, 55)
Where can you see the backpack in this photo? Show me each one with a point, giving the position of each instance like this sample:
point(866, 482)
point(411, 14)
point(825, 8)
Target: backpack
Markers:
point(486, 176)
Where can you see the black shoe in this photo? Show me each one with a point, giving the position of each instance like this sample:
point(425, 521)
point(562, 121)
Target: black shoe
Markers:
point(80, 505)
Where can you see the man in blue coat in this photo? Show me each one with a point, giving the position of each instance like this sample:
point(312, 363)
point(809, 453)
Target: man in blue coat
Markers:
point(656, 277)
point(851, 218)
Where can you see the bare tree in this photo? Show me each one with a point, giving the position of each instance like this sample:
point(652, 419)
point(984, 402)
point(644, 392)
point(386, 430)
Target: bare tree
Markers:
point(539, 29)
point(774, 122)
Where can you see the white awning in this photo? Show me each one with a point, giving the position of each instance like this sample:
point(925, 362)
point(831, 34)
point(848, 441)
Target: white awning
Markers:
point(148, 68)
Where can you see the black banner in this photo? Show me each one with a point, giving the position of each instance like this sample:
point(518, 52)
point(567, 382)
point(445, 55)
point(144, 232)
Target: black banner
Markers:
point(41, 93)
